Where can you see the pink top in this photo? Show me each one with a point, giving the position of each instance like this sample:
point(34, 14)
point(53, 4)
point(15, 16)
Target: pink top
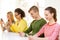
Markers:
point(50, 31)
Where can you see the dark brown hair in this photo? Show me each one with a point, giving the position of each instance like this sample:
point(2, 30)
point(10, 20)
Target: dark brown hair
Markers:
point(20, 11)
point(35, 8)
point(52, 10)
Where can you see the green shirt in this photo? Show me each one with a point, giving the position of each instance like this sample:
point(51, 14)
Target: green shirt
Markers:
point(35, 26)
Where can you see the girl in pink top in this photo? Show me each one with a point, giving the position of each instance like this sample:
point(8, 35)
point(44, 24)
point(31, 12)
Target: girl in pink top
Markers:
point(51, 29)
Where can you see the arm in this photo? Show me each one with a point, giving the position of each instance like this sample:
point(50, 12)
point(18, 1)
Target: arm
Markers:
point(7, 26)
point(12, 27)
point(29, 29)
point(3, 25)
point(41, 31)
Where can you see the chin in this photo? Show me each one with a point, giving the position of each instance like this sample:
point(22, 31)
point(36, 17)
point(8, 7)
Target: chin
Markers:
point(46, 19)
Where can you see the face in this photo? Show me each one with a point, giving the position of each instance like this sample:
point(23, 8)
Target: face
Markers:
point(48, 15)
point(8, 16)
point(33, 14)
point(16, 15)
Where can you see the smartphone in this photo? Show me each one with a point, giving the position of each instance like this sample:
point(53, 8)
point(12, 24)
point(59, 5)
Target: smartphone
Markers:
point(1, 19)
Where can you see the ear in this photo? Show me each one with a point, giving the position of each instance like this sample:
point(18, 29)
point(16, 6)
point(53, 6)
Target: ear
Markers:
point(52, 14)
point(20, 15)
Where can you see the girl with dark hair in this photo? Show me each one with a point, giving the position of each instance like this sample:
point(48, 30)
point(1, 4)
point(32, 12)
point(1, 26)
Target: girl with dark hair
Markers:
point(20, 25)
point(51, 29)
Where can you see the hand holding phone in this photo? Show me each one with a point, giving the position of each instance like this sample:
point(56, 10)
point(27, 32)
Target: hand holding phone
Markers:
point(1, 19)
point(1, 22)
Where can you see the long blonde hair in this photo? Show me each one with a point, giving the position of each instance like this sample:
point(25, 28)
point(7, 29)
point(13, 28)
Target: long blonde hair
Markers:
point(11, 14)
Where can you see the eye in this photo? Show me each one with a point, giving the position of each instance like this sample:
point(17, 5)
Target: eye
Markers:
point(7, 16)
point(16, 15)
point(46, 15)
point(31, 14)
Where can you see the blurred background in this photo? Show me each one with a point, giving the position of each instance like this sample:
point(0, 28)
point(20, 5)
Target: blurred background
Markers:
point(11, 5)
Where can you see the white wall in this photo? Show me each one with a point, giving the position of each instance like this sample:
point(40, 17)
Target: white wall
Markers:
point(11, 5)
point(55, 4)
point(5, 6)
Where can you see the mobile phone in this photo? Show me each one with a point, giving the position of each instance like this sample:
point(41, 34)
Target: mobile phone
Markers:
point(1, 19)
point(2, 22)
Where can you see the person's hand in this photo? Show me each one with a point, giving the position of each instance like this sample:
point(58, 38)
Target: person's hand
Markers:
point(7, 28)
point(32, 38)
point(0, 21)
point(35, 35)
point(22, 34)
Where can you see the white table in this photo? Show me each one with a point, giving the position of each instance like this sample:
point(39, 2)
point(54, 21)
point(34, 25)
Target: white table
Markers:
point(12, 36)
point(15, 36)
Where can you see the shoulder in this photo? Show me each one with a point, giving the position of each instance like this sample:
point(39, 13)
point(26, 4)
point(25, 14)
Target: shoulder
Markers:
point(33, 21)
point(57, 25)
point(46, 24)
point(23, 21)
point(43, 20)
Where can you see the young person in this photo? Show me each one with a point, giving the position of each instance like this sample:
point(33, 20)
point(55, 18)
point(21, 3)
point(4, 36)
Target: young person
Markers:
point(8, 24)
point(36, 24)
point(51, 29)
point(20, 25)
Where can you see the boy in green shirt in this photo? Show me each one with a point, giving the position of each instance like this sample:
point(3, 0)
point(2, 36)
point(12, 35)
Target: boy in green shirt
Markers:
point(36, 24)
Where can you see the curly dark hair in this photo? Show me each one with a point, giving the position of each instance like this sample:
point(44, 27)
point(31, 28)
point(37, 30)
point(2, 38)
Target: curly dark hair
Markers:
point(20, 11)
